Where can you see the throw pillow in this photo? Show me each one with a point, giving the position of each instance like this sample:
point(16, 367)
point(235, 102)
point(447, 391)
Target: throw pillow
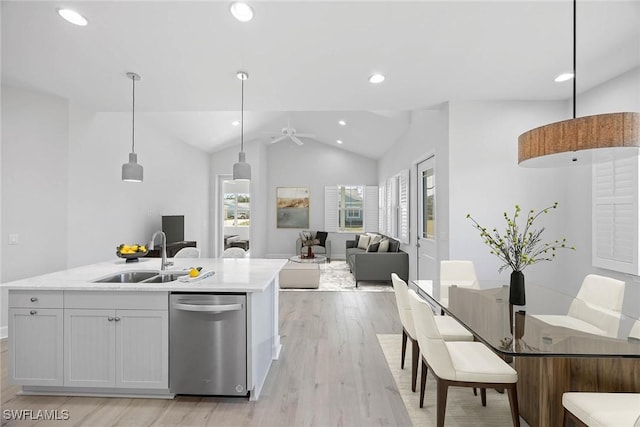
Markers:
point(363, 242)
point(383, 246)
point(394, 245)
point(375, 238)
point(373, 247)
point(322, 237)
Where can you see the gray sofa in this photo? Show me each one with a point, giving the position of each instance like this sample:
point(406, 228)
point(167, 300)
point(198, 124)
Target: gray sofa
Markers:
point(317, 249)
point(377, 266)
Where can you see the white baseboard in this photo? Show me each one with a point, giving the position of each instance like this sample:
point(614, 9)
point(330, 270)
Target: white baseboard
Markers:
point(4, 332)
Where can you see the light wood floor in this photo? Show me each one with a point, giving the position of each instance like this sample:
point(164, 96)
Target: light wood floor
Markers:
point(331, 372)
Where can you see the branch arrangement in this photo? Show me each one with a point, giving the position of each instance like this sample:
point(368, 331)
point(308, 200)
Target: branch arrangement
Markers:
point(518, 249)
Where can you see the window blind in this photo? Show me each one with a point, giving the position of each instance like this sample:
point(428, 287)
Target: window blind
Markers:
point(371, 208)
point(331, 208)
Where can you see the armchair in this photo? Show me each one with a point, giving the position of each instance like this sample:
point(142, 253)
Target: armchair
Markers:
point(317, 249)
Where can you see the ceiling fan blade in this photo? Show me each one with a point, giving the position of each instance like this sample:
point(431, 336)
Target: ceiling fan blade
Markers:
point(273, 141)
point(296, 140)
point(305, 135)
point(271, 133)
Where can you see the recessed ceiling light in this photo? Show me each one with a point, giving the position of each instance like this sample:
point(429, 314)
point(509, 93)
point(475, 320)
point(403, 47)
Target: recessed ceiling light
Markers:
point(342, 123)
point(73, 17)
point(563, 77)
point(339, 141)
point(241, 11)
point(235, 123)
point(376, 78)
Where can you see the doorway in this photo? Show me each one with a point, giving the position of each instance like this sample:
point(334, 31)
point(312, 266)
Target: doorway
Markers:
point(427, 249)
point(235, 215)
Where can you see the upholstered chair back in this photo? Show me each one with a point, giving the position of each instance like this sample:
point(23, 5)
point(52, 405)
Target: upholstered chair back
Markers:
point(456, 272)
point(431, 344)
point(599, 302)
point(404, 306)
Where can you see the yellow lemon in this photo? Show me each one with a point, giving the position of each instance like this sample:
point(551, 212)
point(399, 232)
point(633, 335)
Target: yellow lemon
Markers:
point(194, 272)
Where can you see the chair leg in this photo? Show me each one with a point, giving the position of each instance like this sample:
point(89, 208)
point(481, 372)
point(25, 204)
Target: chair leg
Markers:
point(415, 354)
point(404, 348)
point(475, 391)
point(423, 382)
point(483, 396)
point(442, 389)
point(512, 391)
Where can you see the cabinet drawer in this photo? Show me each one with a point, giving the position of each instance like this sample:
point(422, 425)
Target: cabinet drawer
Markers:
point(37, 298)
point(116, 300)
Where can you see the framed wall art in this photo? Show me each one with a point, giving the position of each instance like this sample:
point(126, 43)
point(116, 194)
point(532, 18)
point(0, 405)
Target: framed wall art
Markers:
point(292, 206)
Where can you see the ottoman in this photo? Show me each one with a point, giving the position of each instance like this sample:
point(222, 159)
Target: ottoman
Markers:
point(300, 275)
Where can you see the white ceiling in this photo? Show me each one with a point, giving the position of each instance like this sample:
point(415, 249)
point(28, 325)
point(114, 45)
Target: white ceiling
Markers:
point(309, 61)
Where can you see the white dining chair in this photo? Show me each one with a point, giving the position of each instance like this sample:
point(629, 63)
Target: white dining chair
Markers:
point(449, 328)
point(458, 363)
point(234, 253)
point(595, 310)
point(188, 253)
point(602, 409)
point(456, 272)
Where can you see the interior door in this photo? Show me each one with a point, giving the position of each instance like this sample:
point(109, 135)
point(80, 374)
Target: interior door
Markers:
point(427, 243)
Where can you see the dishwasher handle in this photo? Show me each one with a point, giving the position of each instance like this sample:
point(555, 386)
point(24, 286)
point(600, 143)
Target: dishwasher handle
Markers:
point(217, 308)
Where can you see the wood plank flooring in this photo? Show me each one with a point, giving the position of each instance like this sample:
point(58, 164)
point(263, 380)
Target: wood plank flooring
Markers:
point(331, 372)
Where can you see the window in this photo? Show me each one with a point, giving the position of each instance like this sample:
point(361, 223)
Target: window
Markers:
point(351, 208)
point(237, 208)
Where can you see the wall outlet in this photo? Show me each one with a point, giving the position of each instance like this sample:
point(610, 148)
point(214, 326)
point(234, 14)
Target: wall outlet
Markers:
point(13, 239)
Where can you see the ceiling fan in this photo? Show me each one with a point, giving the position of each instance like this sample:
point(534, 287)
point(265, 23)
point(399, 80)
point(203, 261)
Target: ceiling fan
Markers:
point(289, 132)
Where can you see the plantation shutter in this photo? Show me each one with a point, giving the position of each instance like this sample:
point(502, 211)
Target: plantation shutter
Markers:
point(371, 208)
point(615, 215)
point(382, 218)
point(403, 206)
point(331, 209)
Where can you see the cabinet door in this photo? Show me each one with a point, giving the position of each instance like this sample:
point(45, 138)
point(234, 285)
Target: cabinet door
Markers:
point(142, 345)
point(89, 350)
point(35, 346)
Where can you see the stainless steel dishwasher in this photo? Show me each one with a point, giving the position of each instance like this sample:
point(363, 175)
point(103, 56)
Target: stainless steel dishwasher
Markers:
point(208, 344)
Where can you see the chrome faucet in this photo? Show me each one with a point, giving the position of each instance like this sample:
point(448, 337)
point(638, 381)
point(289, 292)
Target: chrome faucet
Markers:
point(165, 263)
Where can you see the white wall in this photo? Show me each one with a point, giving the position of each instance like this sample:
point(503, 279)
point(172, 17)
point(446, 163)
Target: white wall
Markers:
point(104, 211)
point(427, 135)
point(313, 165)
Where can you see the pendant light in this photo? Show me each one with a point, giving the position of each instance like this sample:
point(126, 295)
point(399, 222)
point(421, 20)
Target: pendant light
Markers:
point(582, 140)
point(242, 169)
point(132, 171)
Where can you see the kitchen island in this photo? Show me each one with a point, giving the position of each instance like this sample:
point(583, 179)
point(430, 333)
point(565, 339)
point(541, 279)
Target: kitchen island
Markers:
point(71, 335)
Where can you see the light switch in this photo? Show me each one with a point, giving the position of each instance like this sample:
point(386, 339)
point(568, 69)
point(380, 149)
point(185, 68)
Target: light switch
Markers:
point(13, 239)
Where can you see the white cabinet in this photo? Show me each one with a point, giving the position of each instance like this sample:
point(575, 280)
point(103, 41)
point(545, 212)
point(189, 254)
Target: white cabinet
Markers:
point(116, 348)
point(108, 346)
point(35, 338)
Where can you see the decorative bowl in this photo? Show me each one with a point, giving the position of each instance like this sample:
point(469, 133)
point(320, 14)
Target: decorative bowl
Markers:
point(131, 252)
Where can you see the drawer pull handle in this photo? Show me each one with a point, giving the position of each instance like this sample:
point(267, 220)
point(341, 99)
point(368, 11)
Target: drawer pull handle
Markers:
point(34, 299)
point(117, 319)
point(110, 319)
point(32, 312)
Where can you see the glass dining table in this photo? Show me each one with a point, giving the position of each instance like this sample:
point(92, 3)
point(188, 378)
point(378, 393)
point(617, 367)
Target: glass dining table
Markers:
point(550, 359)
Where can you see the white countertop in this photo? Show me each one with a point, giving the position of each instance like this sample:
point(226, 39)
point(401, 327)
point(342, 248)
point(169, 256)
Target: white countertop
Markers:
point(231, 275)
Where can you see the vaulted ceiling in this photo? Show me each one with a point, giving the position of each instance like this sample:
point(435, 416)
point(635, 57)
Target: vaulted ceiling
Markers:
point(309, 60)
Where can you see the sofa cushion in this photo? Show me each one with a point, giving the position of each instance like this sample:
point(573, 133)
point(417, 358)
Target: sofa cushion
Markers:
point(322, 237)
point(373, 247)
point(383, 245)
point(363, 242)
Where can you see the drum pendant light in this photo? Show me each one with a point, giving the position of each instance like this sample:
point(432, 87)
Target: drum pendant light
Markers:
point(583, 140)
point(242, 169)
point(132, 171)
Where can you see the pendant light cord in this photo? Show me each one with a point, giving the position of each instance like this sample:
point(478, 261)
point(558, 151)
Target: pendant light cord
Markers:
point(133, 117)
point(574, 59)
point(242, 116)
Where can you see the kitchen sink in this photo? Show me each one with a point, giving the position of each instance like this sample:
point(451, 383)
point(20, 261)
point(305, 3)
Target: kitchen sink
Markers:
point(165, 277)
point(147, 276)
point(128, 277)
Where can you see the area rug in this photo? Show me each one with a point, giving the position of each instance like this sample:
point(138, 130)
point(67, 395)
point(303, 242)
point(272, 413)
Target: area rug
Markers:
point(335, 276)
point(463, 408)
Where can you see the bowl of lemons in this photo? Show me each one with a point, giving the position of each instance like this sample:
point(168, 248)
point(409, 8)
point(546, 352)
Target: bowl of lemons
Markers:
point(131, 252)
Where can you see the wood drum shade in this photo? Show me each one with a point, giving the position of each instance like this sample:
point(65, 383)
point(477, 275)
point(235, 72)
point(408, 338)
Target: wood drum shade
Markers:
point(583, 140)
